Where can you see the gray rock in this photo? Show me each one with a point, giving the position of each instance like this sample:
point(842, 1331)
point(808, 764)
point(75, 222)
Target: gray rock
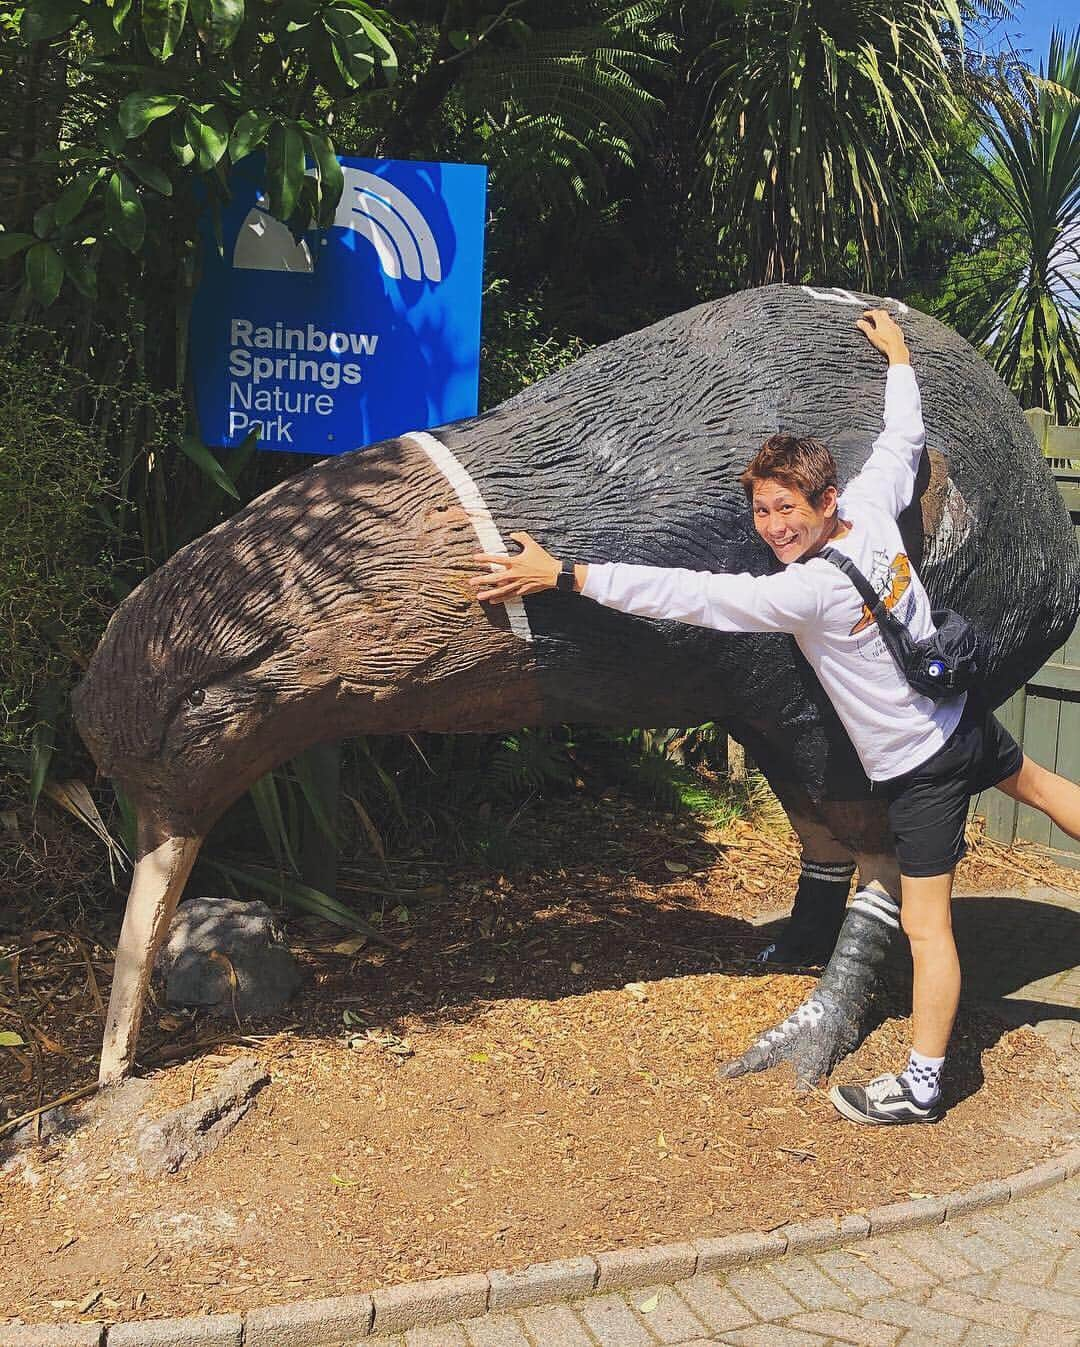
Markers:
point(212, 939)
point(55, 1123)
point(196, 1129)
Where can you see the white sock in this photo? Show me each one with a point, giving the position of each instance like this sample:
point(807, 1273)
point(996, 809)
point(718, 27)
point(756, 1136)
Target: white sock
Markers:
point(922, 1076)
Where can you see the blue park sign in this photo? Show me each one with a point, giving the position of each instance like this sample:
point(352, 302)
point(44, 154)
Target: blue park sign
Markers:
point(357, 333)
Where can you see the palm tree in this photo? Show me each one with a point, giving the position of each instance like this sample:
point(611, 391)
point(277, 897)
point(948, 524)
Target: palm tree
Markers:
point(816, 111)
point(1029, 322)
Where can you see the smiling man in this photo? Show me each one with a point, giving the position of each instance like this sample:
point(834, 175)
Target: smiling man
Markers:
point(928, 756)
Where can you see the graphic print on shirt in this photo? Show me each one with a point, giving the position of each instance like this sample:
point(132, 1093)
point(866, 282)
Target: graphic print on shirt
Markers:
point(891, 580)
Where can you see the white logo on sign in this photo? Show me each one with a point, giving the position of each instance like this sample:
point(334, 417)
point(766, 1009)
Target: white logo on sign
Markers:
point(369, 206)
point(265, 244)
point(391, 221)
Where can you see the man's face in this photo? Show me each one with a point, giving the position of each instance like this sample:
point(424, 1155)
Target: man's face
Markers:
point(788, 522)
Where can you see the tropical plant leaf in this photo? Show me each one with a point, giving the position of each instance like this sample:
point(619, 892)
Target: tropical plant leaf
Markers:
point(264, 796)
point(248, 133)
point(11, 244)
point(82, 274)
point(350, 45)
point(207, 128)
point(139, 110)
point(302, 769)
point(75, 797)
point(44, 272)
point(331, 177)
point(810, 110)
point(49, 708)
point(42, 19)
point(44, 220)
point(218, 22)
point(75, 196)
point(183, 150)
point(162, 24)
point(381, 43)
point(242, 455)
point(121, 9)
point(149, 174)
point(569, 103)
point(1027, 313)
point(303, 896)
point(285, 168)
point(124, 213)
point(129, 819)
point(368, 825)
point(205, 461)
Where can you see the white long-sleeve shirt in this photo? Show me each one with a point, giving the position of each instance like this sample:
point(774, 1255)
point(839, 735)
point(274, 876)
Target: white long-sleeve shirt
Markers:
point(893, 728)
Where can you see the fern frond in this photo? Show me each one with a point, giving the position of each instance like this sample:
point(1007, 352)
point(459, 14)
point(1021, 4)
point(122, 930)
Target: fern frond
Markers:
point(572, 105)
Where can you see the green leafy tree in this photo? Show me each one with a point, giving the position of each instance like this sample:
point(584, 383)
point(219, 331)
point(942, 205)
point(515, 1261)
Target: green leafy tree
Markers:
point(53, 582)
point(1027, 309)
point(812, 107)
point(164, 96)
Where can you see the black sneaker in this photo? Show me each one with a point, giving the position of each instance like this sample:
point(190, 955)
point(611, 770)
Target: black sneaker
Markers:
point(886, 1101)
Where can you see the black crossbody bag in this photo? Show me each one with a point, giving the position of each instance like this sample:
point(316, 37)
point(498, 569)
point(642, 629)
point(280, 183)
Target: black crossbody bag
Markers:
point(946, 664)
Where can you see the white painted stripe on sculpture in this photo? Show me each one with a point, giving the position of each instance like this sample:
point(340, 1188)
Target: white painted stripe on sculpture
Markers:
point(872, 910)
point(806, 1016)
point(879, 899)
point(879, 916)
point(835, 295)
point(487, 532)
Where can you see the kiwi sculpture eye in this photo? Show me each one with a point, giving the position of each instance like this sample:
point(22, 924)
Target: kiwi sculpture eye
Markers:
point(196, 697)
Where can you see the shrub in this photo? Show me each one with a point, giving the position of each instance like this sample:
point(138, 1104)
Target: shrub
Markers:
point(53, 572)
point(519, 346)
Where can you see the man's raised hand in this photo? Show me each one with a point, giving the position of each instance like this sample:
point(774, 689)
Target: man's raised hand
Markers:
point(512, 577)
point(883, 332)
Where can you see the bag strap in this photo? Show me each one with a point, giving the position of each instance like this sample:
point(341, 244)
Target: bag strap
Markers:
point(888, 623)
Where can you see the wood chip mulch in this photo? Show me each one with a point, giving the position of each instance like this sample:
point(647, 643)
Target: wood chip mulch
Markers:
point(530, 1075)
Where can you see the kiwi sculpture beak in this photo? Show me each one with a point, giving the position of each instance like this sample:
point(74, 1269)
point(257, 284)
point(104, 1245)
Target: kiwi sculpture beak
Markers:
point(161, 871)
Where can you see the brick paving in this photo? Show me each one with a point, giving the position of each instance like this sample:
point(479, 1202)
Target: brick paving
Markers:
point(1006, 1276)
point(921, 1288)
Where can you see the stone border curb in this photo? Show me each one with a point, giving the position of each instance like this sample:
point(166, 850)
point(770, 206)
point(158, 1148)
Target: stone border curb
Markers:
point(339, 1319)
point(623, 1269)
point(541, 1283)
point(913, 1215)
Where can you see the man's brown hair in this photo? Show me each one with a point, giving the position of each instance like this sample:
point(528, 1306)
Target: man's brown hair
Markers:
point(804, 465)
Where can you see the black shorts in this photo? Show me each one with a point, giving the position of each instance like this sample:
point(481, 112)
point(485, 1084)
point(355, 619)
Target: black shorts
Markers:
point(928, 806)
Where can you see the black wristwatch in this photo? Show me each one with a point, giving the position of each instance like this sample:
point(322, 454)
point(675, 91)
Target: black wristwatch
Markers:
point(565, 581)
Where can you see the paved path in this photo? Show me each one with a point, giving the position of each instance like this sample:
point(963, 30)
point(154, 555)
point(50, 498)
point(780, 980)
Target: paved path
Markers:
point(1005, 1277)
point(1017, 952)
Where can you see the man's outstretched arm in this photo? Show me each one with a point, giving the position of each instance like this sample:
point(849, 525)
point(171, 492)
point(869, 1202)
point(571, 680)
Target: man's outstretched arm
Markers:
point(887, 480)
point(723, 601)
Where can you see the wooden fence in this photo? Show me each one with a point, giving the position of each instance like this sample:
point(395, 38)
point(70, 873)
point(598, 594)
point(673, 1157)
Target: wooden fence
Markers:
point(1044, 716)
